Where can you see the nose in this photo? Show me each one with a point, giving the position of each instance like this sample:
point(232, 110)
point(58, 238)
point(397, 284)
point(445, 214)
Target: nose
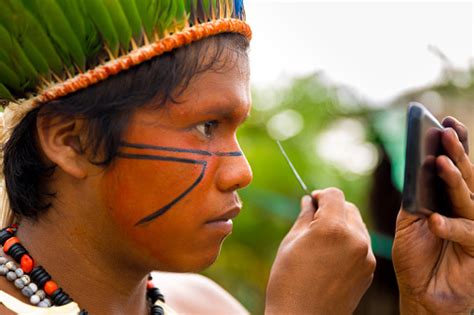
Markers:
point(234, 173)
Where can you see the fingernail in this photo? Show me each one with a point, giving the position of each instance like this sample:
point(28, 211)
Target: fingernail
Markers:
point(454, 133)
point(441, 220)
point(306, 199)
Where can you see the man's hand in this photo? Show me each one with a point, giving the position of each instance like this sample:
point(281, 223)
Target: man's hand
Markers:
point(434, 256)
point(325, 263)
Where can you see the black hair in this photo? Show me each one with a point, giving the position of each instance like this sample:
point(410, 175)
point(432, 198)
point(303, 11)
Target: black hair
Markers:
point(106, 108)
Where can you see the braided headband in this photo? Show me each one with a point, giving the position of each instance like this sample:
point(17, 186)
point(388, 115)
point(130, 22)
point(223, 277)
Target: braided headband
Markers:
point(14, 112)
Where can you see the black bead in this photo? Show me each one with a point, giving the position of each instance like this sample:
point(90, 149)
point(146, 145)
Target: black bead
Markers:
point(84, 312)
point(4, 236)
point(42, 279)
point(157, 310)
point(55, 293)
point(154, 294)
point(59, 297)
point(39, 276)
point(63, 299)
point(17, 251)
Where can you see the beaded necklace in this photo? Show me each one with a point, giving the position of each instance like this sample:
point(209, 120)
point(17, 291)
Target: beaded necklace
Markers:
point(37, 284)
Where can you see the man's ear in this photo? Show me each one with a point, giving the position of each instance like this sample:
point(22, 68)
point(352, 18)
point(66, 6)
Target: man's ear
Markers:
point(60, 141)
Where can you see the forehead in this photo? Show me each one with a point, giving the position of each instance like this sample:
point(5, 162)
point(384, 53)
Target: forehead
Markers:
point(224, 87)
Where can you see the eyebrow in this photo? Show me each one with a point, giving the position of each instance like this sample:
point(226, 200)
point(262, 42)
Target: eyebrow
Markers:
point(228, 113)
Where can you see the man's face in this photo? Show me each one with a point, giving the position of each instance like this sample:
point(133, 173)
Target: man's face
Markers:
point(172, 190)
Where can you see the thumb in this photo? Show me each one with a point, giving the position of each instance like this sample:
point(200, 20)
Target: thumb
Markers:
point(306, 214)
point(458, 230)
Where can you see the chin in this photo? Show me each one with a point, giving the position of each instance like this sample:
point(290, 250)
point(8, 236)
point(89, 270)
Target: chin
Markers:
point(195, 260)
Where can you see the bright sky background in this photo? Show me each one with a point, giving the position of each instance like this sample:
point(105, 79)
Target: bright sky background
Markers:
point(378, 48)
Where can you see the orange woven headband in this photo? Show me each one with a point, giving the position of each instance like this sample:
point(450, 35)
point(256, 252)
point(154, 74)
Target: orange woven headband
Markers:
point(144, 53)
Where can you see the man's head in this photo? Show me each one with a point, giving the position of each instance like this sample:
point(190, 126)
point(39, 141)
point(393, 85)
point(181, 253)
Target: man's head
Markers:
point(160, 135)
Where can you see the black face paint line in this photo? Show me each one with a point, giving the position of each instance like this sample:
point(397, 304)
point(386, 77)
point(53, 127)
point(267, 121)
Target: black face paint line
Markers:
point(153, 157)
point(179, 150)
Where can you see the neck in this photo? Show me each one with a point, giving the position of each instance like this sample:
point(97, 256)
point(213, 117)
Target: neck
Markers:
point(80, 261)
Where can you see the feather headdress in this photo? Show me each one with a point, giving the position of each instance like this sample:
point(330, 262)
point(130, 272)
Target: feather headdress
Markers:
point(51, 48)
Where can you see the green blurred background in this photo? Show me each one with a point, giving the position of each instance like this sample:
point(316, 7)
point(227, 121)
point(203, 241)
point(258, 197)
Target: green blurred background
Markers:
point(334, 139)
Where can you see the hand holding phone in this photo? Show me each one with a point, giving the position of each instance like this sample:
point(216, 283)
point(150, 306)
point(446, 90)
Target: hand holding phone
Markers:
point(433, 254)
point(424, 191)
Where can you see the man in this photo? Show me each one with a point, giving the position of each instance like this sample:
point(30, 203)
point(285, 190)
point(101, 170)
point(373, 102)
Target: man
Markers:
point(134, 166)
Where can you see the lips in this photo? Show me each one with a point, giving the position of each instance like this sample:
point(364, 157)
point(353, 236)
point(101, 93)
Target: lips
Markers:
point(228, 214)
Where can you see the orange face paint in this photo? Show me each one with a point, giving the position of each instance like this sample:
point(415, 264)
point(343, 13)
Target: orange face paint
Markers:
point(172, 190)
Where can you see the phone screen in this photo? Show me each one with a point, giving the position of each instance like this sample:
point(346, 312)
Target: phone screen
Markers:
point(424, 191)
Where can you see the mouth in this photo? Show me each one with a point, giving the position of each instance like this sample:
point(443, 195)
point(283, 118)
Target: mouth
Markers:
point(224, 223)
point(227, 215)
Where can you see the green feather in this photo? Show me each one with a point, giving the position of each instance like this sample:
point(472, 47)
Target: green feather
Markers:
point(4, 93)
point(18, 58)
point(173, 9)
point(4, 57)
point(75, 18)
point(35, 32)
point(133, 17)
point(62, 32)
point(120, 22)
point(147, 10)
point(9, 77)
point(181, 10)
point(168, 9)
point(39, 37)
point(35, 56)
point(99, 14)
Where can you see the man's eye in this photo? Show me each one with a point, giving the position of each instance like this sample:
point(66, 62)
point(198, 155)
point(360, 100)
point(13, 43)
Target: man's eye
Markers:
point(207, 128)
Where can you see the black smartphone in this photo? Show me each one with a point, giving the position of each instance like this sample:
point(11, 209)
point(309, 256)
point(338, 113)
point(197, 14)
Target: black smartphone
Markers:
point(424, 191)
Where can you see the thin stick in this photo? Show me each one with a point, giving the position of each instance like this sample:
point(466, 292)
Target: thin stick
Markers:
point(298, 177)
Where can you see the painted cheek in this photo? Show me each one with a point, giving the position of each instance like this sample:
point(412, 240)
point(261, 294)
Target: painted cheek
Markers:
point(133, 189)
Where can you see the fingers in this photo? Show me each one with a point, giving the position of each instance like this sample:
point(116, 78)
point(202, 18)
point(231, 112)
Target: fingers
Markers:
point(458, 191)
point(457, 230)
point(306, 214)
point(331, 203)
point(456, 152)
point(461, 130)
point(354, 216)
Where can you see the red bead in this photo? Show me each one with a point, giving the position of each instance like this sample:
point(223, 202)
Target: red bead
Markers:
point(27, 263)
point(11, 241)
point(50, 287)
point(149, 284)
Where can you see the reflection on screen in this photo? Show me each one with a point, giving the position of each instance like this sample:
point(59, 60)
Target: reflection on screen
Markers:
point(431, 193)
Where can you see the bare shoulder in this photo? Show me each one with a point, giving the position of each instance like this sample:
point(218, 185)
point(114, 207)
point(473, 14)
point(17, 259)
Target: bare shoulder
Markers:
point(191, 293)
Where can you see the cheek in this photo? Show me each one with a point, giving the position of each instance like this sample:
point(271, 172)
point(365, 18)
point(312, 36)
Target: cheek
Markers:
point(134, 189)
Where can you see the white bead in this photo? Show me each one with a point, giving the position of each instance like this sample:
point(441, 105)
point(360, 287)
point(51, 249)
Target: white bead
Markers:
point(19, 284)
point(34, 299)
point(33, 287)
point(41, 294)
point(11, 276)
point(47, 302)
point(27, 291)
point(10, 265)
point(26, 279)
point(3, 270)
point(19, 272)
point(3, 260)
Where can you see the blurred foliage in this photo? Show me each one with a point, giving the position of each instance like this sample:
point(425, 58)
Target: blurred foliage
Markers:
point(271, 202)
